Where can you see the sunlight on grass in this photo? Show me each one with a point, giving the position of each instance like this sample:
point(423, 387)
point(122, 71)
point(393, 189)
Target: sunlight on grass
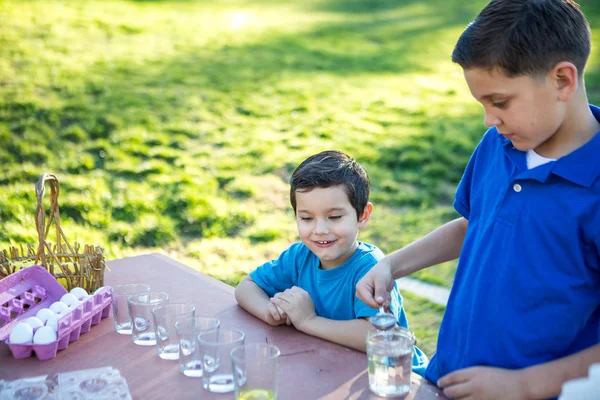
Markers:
point(175, 126)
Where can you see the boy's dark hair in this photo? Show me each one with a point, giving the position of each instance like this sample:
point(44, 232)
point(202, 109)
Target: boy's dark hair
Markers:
point(332, 168)
point(525, 37)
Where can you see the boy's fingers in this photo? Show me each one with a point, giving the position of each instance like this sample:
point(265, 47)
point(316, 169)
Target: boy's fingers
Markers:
point(273, 309)
point(365, 293)
point(280, 311)
point(383, 287)
point(453, 378)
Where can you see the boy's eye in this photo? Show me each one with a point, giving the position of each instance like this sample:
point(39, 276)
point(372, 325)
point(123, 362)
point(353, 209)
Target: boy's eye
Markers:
point(500, 104)
point(306, 218)
point(335, 217)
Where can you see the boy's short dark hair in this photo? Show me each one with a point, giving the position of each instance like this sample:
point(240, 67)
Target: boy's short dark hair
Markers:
point(525, 37)
point(332, 168)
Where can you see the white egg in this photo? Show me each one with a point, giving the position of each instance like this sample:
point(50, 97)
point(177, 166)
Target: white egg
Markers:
point(68, 299)
point(21, 333)
point(59, 307)
point(52, 322)
point(44, 335)
point(44, 313)
point(75, 305)
point(89, 296)
point(34, 322)
point(97, 290)
point(78, 292)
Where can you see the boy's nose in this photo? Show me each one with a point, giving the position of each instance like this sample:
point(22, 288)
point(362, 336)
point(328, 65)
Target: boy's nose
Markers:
point(322, 227)
point(491, 120)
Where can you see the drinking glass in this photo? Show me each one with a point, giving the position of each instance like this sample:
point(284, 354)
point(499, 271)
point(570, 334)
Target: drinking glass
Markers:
point(188, 329)
point(165, 317)
point(390, 355)
point(120, 294)
point(255, 374)
point(140, 309)
point(215, 347)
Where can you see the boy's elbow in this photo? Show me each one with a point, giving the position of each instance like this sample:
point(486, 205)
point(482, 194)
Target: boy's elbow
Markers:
point(239, 289)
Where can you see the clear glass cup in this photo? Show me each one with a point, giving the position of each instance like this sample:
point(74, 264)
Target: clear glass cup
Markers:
point(140, 309)
point(215, 347)
point(390, 354)
point(120, 294)
point(165, 317)
point(188, 329)
point(255, 371)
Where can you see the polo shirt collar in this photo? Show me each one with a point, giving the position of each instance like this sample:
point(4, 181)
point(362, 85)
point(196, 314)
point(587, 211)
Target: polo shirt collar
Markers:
point(581, 167)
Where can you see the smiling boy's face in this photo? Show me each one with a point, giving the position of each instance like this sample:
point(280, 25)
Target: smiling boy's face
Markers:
point(524, 110)
point(328, 225)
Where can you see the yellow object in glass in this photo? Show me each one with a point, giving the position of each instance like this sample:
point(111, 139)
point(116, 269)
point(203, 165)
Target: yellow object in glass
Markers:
point(256, 394)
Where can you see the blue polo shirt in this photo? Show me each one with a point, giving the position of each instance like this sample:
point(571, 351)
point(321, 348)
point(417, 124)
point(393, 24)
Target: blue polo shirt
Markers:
point(527, 286)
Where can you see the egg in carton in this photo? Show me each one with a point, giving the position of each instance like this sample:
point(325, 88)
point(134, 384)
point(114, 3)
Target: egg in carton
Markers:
point(25, 293)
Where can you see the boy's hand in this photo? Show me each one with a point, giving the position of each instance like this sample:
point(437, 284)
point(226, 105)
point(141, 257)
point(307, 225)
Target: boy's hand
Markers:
point(297, 305)
point(374, 288)
point(275, 315)
point(482, 383)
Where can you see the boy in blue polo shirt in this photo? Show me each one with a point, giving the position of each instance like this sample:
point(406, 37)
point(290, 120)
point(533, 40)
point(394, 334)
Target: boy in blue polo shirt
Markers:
point(312, 283)
point(524, 311)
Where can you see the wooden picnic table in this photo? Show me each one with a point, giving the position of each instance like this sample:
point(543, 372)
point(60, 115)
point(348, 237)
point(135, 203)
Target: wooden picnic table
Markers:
point(309, 368)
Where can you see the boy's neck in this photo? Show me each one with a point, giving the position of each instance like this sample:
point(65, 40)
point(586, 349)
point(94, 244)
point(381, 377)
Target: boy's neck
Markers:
point(577, 129)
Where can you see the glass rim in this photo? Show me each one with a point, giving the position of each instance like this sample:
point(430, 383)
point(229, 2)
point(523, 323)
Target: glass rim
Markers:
point(217, 342)
point(399, 330)
point(271, 356)
point(146, 288)
point(180, 328)
point(191, 307)
point(131, 299)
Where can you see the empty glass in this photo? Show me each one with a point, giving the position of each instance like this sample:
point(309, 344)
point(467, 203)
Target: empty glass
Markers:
point(255, 371)
point(188, 329)
point(120, 294)
point(140, 308)
point(215, 347)
point(165, 317)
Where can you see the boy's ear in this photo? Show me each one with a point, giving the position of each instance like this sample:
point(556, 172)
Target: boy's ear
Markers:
point(566, 79)
point(364, 218)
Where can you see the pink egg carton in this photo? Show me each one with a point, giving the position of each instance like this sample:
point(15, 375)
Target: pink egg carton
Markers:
point(25, 292)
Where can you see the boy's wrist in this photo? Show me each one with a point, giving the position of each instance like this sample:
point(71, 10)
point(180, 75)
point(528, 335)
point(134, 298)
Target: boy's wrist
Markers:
point(307, 325)
point(527, 382)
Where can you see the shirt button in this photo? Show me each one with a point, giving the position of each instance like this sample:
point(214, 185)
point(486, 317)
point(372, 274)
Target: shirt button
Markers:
point(517, 188)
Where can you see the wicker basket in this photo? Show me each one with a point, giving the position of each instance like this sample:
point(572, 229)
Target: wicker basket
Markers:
point(71, 267)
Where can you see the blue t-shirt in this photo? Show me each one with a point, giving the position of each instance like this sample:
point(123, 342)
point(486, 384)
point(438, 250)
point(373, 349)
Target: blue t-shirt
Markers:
point(527, 286)
point(332, 291)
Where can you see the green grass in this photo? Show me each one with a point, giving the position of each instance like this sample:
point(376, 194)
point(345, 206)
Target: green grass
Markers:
point(174, 125)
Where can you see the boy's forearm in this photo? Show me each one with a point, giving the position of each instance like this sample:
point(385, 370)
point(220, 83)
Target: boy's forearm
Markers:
point(441, 245)
point(545, 380)
point(252, 298)
point(350, 333)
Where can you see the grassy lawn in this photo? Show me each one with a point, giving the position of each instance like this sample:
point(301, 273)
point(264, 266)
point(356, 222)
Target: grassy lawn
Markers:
point(175, 125)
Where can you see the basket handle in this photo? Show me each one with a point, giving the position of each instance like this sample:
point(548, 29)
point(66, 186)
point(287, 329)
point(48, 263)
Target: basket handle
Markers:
point(40, 216)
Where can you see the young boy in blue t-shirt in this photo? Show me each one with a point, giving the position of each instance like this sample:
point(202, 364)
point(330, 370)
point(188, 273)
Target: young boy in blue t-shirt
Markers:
point(524, 311)
point(312, 283)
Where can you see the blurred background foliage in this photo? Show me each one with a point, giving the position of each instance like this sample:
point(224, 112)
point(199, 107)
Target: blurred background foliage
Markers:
point(174, 126)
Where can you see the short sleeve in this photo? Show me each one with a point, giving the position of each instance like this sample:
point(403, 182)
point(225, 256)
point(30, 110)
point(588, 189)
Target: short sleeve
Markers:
point(593, 256)
point(462, 202)
point(463, 192)
point(279, 274)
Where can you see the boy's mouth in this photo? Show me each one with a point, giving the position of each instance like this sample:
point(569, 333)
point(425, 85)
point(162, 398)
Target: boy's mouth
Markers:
point(323, 243)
